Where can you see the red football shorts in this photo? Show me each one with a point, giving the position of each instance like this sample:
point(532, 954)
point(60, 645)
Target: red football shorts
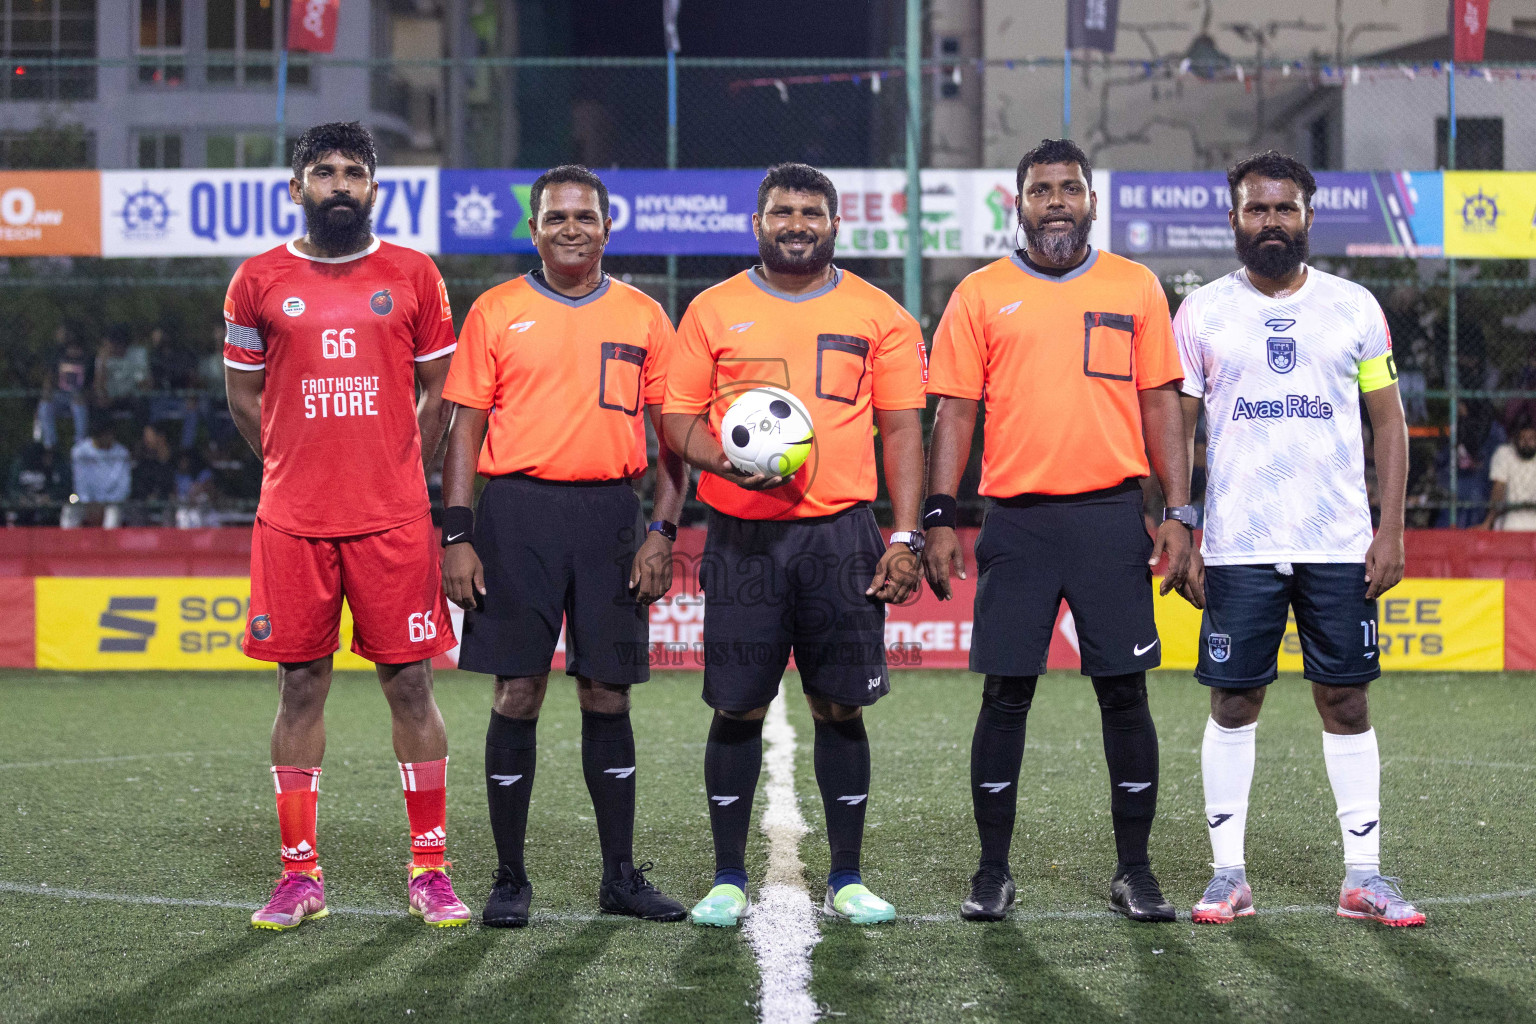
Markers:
point(392, 581)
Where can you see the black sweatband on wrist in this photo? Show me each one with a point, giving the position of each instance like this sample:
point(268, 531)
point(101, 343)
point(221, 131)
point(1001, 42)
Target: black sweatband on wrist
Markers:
point(458, 525)
point(940, 510)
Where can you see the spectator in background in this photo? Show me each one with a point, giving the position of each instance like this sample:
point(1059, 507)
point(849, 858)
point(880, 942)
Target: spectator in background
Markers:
point(173, 367)
point(39, 484)
point(1522, 410)
point(154, 471)
point(66, 384)
point(103, 478)
point(213, 407)
point(1478, 435)
point(1512, 474)
point(1410, 349)
point(195, 491)
point(122, 372)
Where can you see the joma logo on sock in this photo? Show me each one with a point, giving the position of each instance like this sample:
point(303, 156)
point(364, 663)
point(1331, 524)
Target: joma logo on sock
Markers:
point(1365, 830)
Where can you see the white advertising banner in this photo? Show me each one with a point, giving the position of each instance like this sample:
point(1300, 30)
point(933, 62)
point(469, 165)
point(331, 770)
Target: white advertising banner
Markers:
point(242, 213)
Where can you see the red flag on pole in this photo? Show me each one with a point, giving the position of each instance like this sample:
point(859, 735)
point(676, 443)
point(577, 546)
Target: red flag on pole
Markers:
point(312, 25)
point(1469, 26)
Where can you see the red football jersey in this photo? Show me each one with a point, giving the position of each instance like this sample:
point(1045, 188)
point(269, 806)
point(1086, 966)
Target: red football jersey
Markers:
point(339, 340)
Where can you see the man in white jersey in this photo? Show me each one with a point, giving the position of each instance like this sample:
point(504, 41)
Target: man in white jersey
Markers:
point(1280, 353)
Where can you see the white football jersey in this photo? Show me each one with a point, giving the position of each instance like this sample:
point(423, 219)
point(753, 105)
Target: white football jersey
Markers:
point(1285, 463)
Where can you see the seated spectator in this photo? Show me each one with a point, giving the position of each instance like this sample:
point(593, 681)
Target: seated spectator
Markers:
point(66, 385)
point(154, 472)
point(172, 367)
point(1512, 472)
point(39, 485)
point(195, 492)
point(122, 373)
point(103, 479)
point(214, 405)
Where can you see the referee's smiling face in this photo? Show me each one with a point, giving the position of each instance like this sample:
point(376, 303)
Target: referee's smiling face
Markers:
point(570, 232)
point(1057, 210)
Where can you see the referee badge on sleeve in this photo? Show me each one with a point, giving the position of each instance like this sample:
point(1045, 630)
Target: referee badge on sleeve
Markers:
point(1220, 645)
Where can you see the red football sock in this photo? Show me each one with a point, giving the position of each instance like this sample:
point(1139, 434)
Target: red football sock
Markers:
point(298, 793)
point(426, 804)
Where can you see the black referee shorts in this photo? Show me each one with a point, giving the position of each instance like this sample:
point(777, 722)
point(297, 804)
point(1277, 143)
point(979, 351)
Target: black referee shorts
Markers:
point(553, 551)
point(1246, 614)
point(1089, 549)
point(782, 585)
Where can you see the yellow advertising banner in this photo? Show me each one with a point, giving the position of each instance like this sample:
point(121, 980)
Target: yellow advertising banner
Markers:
point(1490, 214)
point(1423, 625)
point(152, 622)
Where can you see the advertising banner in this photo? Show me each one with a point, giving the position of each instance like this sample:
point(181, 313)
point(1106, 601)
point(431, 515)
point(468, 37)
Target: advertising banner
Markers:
point(1490, 214)
point(312, 25)
point(1358, 213)
point(152, 622)
point(659, 213)
point(242, 213)
point(50, 213)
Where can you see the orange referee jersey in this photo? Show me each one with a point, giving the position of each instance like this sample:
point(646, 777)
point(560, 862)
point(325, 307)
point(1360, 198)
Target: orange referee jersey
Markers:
point(566, 380)
point(1059, 362)
point(844, 350)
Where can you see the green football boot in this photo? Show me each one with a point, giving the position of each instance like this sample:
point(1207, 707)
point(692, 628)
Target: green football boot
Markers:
point(724, 907)
point(857, 904)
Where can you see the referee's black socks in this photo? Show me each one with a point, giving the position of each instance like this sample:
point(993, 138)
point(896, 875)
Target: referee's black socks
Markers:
point(608, 762)
point(997, 750)
point(511, 750)
point(842, 773)
point(1130, 750)
point(733, 758)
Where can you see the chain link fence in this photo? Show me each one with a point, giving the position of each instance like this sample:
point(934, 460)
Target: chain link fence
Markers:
point(1464, 331)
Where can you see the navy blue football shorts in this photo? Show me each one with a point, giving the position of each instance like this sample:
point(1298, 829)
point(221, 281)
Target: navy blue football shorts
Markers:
point(1247, 610)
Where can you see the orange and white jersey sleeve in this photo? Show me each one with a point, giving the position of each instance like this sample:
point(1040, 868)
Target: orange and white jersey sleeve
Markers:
point(900, 365)
point(958, 367)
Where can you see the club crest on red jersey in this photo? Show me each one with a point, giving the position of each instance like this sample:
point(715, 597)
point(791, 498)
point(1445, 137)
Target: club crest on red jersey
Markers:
point(261, 627)
point(381, 303)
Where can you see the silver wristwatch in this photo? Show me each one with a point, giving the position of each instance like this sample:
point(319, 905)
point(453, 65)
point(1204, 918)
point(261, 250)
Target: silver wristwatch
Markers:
point(911, 538)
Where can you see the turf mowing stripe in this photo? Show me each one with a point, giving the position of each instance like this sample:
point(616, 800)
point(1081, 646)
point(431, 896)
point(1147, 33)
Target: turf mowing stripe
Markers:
point(782, 926)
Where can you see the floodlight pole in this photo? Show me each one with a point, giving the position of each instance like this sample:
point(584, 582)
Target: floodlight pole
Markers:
point(912, 269)
point(279, 157)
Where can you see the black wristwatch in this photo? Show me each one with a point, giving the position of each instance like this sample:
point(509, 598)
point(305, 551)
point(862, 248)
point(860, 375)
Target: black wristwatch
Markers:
point(663, 527)
point(1186, 514)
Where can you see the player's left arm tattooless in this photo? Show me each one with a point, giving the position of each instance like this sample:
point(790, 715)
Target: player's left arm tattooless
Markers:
point(244, 389)
point(1193, 590)
point(901, 439)
point(650, 577)
point(1384, 560)
point(1158, 379)
point(432, 413)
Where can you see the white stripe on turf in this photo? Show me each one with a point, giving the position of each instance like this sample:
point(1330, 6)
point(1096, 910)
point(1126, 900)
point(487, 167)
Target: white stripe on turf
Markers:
point(55, 892)
point(782, 925)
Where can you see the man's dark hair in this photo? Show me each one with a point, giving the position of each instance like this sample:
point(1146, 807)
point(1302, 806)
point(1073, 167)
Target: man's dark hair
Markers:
point(1274, 165)
point(349, 138)
point(567, 174)
point(1054, 151)
point(797, 178)
point(119, 334)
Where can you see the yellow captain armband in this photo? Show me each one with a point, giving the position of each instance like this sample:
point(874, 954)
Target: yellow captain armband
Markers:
point(1378, 373)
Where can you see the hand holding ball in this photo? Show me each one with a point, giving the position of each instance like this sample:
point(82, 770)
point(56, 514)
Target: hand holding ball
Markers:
point(767, 431)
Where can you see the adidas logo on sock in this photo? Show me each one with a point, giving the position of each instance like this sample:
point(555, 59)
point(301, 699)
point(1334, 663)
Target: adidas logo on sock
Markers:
point(432, 839)
point(620, 773)
point(301, 852)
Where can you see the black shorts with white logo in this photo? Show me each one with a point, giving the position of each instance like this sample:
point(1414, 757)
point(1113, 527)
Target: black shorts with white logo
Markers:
point(1246, 613)
point(772, 587)
point(1090, 550)
point(554, 550)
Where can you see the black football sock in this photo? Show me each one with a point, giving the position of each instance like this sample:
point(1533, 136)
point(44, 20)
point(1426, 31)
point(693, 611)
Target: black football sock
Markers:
point(1130, 750)
point(997, 751)
point(608, 762)
point(511, 748)
point(842, 773)
point(733, 757)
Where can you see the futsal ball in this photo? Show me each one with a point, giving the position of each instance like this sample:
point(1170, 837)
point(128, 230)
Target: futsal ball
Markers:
point(767, 431)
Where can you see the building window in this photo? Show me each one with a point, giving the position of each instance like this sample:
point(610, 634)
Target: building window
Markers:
point(161, 48)
point(1479, 143)
point(240, 149)
point(156, 149)
point(242, 41)
point(32, 29)
point(48, 147)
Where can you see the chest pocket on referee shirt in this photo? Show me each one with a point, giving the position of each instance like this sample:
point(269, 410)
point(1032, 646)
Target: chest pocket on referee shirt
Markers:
point(841, 362)
point(1107, 341)
point(618, 385)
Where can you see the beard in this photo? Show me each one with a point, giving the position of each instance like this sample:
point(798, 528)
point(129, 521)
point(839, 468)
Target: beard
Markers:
point(1526, 454)
point(1273, 262)
point(339, 225)
point(1057, 247)
point(813, 261)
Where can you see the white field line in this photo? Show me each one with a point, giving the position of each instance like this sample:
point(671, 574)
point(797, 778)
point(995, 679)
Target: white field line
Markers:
point(782, 926)
point(55, 892)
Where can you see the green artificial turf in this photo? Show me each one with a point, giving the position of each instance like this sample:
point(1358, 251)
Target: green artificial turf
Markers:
point(154, 786)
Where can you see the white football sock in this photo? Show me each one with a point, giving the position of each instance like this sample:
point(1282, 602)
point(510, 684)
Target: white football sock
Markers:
point(1354, 771)
point(1226, 765)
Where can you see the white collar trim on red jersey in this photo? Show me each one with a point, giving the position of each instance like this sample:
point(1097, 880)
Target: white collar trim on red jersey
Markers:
point(372, 248)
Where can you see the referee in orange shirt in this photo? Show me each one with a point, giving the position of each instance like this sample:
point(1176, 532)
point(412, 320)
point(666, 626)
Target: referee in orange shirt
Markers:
point(560, 362)
point(1072, 350)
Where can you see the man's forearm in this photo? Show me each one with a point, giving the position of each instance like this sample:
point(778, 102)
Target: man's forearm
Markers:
point(1162, 419)
point(689, 437)
point(901, 435)
point(1391, 476)
point(432, 417)
point(949, 449)
point(464, 437)
point(671, 487)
